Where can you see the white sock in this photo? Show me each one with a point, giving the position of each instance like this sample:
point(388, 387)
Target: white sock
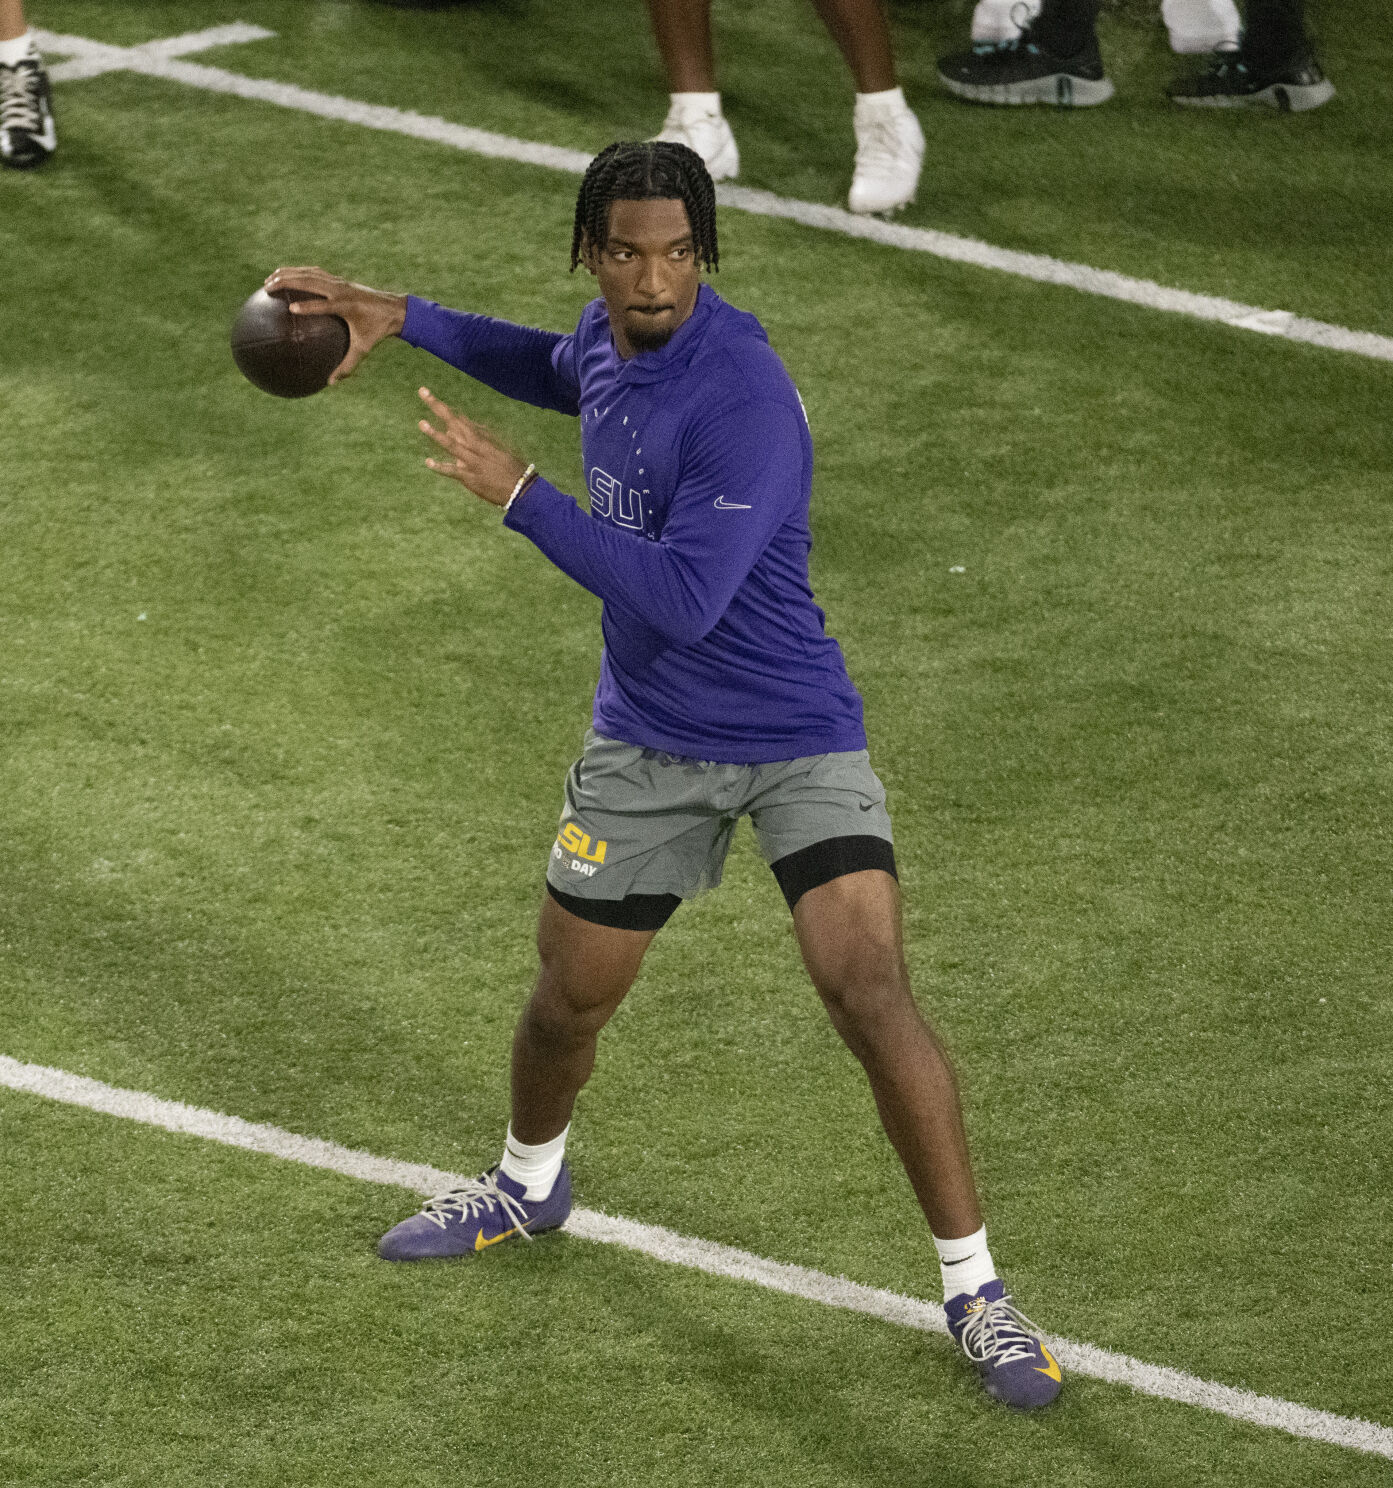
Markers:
point(891, 101)
point(995, 21)
point(13, 52)
point(687, 104)
point(1201, 25)
point(966, 1264)
point(536, 1167)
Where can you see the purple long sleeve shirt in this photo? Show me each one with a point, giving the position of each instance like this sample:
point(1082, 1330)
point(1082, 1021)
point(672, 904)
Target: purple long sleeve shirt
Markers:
point(699, 468)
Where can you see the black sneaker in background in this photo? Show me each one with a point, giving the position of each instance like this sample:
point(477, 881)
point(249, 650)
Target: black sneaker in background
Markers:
point(27, 135)
point(1236, 79)
point(1027, 70)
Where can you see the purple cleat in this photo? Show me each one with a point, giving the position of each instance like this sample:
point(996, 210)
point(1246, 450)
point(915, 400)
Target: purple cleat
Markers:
point(489, 1208)
point(1016, 1367)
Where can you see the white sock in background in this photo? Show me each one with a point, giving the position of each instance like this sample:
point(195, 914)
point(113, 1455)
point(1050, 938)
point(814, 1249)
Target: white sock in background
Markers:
point(13, 52)
point(1201, 25)
point(996, 21)
point(535, 1166)
point(891, 100)
point(689, 104)
point(966, 1264)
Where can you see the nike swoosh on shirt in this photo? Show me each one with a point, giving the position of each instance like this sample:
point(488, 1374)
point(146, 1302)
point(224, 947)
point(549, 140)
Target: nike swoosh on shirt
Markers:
point(725, 505)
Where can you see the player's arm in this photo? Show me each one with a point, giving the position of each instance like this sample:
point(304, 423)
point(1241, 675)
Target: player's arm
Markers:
point(742, 473)
point(532, 366)
point(536, 367)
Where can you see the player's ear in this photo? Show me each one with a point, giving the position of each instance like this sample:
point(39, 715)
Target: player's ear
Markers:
point(589, 254)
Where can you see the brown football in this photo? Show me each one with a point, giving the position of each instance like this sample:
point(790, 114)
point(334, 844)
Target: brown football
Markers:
point(288, 355)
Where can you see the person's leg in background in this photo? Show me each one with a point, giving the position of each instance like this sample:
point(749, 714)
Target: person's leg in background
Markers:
point(889, 141)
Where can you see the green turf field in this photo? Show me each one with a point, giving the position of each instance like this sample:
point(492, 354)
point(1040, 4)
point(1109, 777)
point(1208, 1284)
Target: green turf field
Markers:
point(284, 721)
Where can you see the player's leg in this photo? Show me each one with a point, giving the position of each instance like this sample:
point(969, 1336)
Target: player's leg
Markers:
point(27, 134)
point(824, 829)
point(849, 933)
point(637, 833)
point(889, 141)
point(586, 970)
point(682, 29)
point(862, 34)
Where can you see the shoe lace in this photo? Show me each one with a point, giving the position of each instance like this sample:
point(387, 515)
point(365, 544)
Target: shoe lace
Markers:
point(999, 1334)
point(19, 97)
point(476, 1196)
point(877, 144)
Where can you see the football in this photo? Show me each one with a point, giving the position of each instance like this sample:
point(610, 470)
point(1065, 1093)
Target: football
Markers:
point(290, 356)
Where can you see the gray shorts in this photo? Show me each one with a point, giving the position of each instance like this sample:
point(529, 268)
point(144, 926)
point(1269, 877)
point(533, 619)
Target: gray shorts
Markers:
point(637, 821)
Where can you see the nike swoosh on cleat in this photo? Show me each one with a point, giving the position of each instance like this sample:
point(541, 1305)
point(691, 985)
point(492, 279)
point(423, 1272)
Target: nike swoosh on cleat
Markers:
point(481, 1244)
point(1053, 1370)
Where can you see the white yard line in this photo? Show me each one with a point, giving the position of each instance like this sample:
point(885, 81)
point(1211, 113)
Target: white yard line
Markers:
point(161, 59)
point(699, 1255)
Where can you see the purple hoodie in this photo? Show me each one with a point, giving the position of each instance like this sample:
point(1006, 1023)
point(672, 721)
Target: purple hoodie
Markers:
point(699, 466)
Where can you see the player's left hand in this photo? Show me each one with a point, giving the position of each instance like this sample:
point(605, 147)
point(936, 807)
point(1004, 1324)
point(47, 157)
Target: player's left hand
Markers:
point(480, 464)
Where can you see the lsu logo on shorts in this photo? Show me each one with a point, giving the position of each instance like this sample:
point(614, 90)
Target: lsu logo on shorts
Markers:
point(584, 858)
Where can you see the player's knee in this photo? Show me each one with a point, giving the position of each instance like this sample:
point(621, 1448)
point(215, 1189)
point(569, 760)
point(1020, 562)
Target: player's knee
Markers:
point(560, 1012)
point(554, 1022)
point(867, 1002)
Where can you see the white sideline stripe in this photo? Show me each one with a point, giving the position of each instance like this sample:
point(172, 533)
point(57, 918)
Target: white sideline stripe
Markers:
point(1046, 270)
point(699, 1255)
point(157, 59)
point(160, 59)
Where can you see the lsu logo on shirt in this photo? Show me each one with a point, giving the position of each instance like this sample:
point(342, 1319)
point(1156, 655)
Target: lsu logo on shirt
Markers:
point(612, 500)
point(570, 839)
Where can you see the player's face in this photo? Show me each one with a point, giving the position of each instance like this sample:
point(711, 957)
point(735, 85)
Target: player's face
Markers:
point(648, 272)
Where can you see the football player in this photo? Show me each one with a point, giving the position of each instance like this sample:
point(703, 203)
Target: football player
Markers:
point(720, 696)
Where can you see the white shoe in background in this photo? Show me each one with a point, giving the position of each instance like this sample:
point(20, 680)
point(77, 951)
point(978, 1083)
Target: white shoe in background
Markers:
point(889, 152)
point(696, 120)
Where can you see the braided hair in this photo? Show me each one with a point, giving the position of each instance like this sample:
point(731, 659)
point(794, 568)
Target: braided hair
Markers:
point(646, 170)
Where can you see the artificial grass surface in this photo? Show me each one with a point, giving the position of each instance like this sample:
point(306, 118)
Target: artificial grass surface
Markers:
point(1281, 212)
point(277, 846)
point(182, 1314)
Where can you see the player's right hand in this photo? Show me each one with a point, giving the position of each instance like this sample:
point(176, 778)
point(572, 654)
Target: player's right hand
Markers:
point(372, 315)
